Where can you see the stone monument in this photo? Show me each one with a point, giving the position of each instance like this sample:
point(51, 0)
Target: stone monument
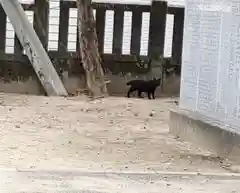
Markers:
point(209, 109)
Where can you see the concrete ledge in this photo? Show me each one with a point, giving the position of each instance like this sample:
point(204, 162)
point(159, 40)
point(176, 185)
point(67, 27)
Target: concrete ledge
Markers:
point(205, 133)
point(87, 172)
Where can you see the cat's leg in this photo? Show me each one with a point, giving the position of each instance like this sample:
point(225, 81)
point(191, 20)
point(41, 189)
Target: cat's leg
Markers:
point(140, 94)
point(149, 95)
point(131, 89)
point(153, 94)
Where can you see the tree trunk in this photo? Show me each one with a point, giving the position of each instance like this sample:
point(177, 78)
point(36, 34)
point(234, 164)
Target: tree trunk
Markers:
point(89, 49)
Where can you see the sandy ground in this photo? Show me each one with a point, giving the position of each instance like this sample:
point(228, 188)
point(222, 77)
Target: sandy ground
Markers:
point(80, 182)
point(105, 134)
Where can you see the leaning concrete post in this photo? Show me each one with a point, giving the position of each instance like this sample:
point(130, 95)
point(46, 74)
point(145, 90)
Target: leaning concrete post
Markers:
point(34, 49)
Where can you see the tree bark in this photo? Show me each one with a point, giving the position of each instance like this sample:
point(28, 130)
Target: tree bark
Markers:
point(89, 49)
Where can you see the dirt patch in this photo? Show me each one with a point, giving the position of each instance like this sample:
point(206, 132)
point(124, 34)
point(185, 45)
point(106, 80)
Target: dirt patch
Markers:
point(112, 133)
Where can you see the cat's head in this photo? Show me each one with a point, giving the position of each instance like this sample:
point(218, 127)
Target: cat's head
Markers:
point(157, 81)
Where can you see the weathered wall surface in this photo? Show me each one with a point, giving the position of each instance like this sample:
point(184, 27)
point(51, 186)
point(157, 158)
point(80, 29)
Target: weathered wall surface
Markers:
point(171, 86)
point(210, 83)
point(17, 75)
point(20, 78)
point(209, 112)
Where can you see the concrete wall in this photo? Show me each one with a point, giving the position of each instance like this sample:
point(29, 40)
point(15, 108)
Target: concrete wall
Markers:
point(20, 78)
point(205, 133)
point(208, 114)
point(210, 83)
point(17, 75)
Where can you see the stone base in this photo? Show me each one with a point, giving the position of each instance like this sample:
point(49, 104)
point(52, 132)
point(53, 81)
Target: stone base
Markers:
point(206, 134)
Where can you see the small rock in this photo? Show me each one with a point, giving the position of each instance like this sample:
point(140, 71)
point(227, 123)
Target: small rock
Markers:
point(176, 137)
point(17, 126)
point(176, 102)
point(235, 168)
point(126, 167)
point(69, 142)
point(131, 141)
point(13, 147)
point(168, 184)
point(152, 114)
point(205, 181)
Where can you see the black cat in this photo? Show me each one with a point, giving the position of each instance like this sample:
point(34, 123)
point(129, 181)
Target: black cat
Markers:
point(140, 86)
